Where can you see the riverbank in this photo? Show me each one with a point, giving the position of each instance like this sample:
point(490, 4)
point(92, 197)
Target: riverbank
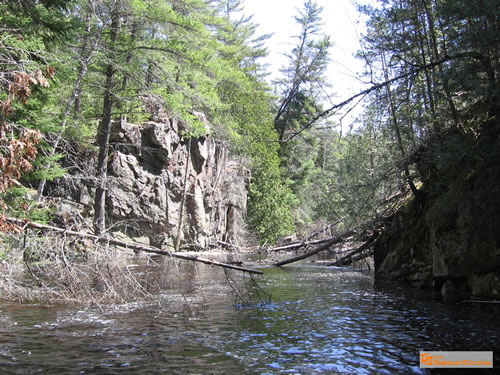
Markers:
point(447, 237)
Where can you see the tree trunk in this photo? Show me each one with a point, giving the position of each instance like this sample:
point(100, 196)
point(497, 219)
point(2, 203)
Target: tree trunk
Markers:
point(447, 91)
point(183, 200)
point(331, 242)
point(103, 133)
point(355, 254)
point(87, 52)
point(423, 40)
point(397, 130)
point(133, 246)
point(133, 37)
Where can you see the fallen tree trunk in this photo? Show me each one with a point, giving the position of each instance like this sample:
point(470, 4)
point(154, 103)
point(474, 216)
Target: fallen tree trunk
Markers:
point(331, 242)
point(129, 245)
point(351, 259)
point(355, 254)
point(238, 248)
point(296, 245)
point(307, 241)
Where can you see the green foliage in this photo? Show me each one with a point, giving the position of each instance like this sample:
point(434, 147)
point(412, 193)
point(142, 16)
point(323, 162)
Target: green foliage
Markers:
point(412, 34)
point(29, 31)
point(22, 205)
point(199, 59)
point(253, 135)
point(40, 170)
point(269, 206)
point(237, 33)
point(421, 112)
point(302, 85)
point(301, 90)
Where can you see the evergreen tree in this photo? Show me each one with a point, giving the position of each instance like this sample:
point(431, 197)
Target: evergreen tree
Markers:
point(139, 59)
point(111, 54)
point(434, 66)
point(29, 31)
point(249, 124)
point(303, 80)
point(301, 91)
point(238, 35)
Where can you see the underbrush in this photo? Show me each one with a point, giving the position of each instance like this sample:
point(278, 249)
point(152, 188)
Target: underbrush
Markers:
point(55, 269)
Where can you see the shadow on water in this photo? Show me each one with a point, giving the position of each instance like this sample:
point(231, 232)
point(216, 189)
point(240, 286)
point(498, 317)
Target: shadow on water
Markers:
point(320, 320)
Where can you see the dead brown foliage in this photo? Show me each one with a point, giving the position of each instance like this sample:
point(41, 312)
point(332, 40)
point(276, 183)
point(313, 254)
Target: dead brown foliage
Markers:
point(18, 145)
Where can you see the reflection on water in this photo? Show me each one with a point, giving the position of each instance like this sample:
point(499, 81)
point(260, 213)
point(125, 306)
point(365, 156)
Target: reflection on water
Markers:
point(320, 320)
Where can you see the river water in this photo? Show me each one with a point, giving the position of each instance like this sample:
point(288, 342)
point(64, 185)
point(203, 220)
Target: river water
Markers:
point(319, 320)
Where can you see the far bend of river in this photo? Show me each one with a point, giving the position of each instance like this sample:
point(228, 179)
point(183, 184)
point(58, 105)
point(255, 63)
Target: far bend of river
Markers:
point(320, 321)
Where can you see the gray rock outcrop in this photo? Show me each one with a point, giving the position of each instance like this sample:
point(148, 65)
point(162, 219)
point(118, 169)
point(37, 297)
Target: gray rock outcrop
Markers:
point(146, 173)
point(450, 240)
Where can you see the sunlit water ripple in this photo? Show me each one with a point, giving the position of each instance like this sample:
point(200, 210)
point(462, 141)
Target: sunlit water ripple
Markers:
point(319, 321)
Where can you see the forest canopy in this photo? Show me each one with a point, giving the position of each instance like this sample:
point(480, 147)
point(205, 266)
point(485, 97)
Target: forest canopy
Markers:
point(68, 69)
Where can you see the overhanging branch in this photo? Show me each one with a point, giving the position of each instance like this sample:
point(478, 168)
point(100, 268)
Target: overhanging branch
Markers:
point(327, 113)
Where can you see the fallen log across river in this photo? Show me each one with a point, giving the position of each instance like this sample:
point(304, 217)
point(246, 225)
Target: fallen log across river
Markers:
point(130, 245)
point(296, 245)
point(356, 254)
point(332, 241)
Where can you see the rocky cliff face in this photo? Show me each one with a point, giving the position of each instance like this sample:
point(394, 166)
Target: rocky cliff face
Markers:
point(146, 172)
point(450, 240)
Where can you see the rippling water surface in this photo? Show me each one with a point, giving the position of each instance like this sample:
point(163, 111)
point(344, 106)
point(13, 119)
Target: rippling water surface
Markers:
point(319, 321)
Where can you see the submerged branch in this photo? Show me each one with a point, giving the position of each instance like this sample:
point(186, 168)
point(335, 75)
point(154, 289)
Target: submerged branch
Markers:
point(323, 230)
point(307, 241)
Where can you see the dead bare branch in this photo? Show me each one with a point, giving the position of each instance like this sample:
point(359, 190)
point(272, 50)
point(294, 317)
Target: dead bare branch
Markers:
point(133, 246)
point(356, 254)
point(331, 242)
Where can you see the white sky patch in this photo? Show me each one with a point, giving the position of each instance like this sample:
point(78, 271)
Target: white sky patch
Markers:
point(341, 22)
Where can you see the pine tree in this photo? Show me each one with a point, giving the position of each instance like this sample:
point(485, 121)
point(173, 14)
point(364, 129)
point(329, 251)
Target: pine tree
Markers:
point(238, 35)
point(303, 77)
point(301, 91)
point(29, 31)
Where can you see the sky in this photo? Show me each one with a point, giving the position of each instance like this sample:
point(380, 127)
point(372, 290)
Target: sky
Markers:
point(341, 22)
